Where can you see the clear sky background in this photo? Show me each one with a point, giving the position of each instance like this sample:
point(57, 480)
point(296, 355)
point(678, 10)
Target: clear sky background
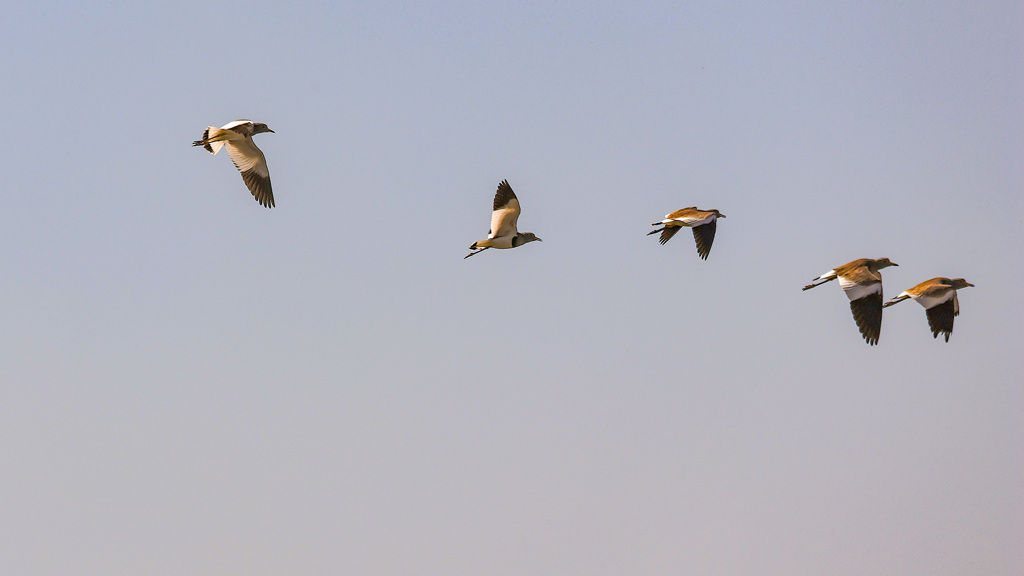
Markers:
point(194, 384)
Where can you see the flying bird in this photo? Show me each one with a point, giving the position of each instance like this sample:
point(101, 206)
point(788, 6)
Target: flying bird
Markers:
point(938, 296)
point(249, 160)
point(503, 233)
point(703, 223)
point(862, 283)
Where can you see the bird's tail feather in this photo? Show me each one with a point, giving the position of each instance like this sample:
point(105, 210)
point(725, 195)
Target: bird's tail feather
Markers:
point(816, 283)
point(826, 277)
point(895, 300)
point(212, 146)
point(478, 250)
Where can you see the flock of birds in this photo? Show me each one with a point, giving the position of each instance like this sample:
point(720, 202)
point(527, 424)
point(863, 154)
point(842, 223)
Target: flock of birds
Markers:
point(862, 282)
point(860, 279)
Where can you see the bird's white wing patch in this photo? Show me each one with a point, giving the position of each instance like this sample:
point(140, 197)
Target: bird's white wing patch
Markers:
point(250, 162)
point(503, 220)
point(856, 291)
point(231, 125)
point(691, 221)
point(931, 300)
point(247, 156)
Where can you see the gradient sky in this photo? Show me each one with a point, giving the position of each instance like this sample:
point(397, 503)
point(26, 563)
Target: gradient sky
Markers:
point(194, 384)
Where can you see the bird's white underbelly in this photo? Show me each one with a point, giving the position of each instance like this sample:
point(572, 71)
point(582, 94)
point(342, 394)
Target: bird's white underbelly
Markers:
point(931, 301)
point(500, 242)
point(689, 222)
point(857, 291)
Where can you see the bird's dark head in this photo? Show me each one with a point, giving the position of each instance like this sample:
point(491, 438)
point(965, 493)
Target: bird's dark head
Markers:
point(884, 263)
point(259, 128)
point(718, 214)
point(525, 237)
point(958, 283)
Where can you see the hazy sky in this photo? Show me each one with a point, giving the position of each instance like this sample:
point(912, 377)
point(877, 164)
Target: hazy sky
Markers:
point(194, 384)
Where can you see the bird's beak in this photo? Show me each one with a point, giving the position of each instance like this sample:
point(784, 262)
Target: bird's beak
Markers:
point(271, 131)
point(971, 285)
point(539, 240)
point(721, 215)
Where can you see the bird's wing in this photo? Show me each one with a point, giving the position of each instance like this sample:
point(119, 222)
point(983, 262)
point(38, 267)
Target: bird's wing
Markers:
point(503, 221)
point(503, 195)
point(243, 127)
point(940, 318)
point(933, 292)
point(506, 211)
point(668, 232)
point(682, 213)
point(705, 235)
point(860, 282)
point(253, 165)
point(867, 312)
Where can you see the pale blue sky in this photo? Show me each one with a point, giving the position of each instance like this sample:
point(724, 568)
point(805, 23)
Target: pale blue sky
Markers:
point(194, 384)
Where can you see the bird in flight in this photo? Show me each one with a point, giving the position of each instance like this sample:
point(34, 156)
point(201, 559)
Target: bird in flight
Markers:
point(938, 296)
point(503, 233)
point(862, 283)
point(701, 221)
point(249, 160)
